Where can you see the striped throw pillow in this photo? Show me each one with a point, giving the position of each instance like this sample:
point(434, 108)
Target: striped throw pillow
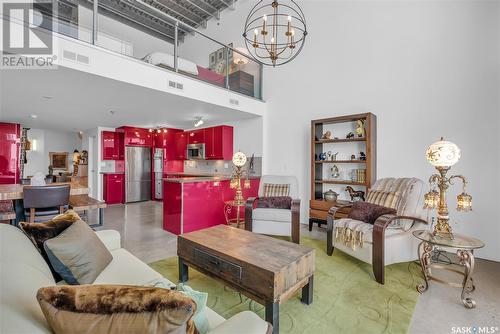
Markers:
point(276, 190)
point(384, 198)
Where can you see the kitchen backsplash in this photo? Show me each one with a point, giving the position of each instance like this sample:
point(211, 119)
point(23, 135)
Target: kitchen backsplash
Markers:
point(222, 167)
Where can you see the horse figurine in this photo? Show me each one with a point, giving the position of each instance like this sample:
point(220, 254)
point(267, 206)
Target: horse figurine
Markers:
point(355, 193)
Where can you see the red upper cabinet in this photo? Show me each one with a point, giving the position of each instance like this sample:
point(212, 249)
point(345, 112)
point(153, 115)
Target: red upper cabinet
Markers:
point(109, 150)
point(196, 136)
point(180, 145)
point(112, 145)
point(10, 140)
point(137, 136)
point(219, 143)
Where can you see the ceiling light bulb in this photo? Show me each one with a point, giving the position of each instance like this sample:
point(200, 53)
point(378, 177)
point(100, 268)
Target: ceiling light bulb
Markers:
point(33, 116)
point(164, 130)
point(289, 18)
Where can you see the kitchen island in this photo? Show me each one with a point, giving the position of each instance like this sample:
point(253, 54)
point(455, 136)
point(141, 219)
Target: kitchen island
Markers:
point(192, 202)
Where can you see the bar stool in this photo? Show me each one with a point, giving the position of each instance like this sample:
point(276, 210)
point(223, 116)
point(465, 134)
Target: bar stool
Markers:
point(43, 203)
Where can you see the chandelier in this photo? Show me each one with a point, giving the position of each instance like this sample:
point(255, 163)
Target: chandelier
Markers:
point(275, 32)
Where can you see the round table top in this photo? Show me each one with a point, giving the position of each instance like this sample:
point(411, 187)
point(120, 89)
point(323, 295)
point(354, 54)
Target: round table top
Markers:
point(459, 240)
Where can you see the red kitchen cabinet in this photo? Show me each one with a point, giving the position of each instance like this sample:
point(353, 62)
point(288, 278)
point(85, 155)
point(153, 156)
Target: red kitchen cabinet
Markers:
point(136, 136)
point(167, 139)
point(219, 143)
point(180, 145)
point(109, 146)
point(112, 145)
point(114, 188)
point(10, 140)
point(196, 136)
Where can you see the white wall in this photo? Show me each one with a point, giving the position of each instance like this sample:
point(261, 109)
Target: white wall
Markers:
point(49, 141)
point(425, 68)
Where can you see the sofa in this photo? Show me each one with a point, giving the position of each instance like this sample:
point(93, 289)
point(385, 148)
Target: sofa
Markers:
point(23, 271)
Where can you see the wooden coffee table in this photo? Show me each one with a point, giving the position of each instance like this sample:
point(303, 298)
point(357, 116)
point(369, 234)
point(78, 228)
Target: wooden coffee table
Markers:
point(262, 268)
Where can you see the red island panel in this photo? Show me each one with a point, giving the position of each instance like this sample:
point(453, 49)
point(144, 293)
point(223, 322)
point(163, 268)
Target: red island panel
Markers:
point(192, 206)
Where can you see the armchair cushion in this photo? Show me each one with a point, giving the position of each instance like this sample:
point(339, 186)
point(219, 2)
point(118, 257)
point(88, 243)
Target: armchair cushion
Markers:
point(278, 202)
point(276, 190)
point(384, 198)
point(278, 215)
point(368, 212)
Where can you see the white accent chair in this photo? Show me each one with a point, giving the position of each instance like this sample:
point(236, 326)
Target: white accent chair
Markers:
point(389, 240)
point(272, 221)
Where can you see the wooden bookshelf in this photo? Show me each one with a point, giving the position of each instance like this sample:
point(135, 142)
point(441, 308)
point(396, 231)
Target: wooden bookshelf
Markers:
point(318, 209)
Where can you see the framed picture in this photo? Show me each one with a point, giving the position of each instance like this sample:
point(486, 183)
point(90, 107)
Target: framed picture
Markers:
point(59, 160)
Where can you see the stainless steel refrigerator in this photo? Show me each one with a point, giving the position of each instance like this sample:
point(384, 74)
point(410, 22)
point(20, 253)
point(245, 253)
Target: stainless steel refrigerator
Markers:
point(137, 174)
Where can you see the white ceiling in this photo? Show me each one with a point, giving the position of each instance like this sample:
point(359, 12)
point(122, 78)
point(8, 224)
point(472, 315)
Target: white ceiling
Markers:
point(71, 100)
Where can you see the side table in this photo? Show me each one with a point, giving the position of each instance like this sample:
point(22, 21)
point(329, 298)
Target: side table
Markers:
point(238, 222)
point(464, 246)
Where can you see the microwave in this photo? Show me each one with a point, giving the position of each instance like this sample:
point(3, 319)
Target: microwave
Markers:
point(196, 151)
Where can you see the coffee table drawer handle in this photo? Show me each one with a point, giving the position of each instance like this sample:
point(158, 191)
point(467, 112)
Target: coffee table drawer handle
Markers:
point(216, 264)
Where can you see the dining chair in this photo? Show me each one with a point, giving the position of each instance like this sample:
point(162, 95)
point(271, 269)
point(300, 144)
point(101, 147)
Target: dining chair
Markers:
point(45, 202)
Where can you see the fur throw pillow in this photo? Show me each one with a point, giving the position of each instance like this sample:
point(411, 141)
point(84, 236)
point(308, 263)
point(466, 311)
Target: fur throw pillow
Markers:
point(116, 309)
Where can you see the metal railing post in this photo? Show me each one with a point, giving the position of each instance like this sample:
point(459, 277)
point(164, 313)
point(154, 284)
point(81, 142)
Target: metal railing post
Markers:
point(227, 67)
point(95, 17)
point(176, 46)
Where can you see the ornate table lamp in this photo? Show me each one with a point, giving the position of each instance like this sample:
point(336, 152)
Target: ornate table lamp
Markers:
point(239, 160)
point(442, 155)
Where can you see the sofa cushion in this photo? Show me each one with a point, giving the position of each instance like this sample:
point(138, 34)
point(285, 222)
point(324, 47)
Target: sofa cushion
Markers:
point(19, 310)
point(116, 309)
point(279, 215)
point(15, 247)
point(245, 322)
point(77, 254)
point(136, 272)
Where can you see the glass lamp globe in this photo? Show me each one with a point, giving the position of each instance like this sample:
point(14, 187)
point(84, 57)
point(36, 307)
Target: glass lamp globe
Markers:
point(443, 153)
point(239, 159)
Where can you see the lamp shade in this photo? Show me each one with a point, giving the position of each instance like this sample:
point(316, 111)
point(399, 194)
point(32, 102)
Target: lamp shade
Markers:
point(443, 154)
point(238, 58)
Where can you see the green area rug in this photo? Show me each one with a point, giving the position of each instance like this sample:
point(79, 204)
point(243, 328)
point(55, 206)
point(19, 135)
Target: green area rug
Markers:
point(347, 299)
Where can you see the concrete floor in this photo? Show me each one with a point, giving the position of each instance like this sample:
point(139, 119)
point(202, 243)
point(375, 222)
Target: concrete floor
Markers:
point(439, 310)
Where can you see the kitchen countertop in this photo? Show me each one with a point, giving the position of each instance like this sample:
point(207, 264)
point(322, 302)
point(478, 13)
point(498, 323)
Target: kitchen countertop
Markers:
point(15, 191)
point(189, 177)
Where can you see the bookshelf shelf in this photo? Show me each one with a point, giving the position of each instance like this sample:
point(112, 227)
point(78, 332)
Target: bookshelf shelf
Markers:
point(318, 209)
point(340, 162)
point(346, 182)
point(336, 141)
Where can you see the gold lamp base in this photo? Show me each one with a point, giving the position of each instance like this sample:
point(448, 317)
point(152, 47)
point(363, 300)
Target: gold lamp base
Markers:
point(443, 229)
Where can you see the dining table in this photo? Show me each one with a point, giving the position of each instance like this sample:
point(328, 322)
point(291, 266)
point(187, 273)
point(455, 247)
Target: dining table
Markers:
point(15, 193)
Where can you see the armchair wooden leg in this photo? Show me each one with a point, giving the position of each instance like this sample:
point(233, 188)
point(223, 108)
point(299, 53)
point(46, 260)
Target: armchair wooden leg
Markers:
point(310, 225)
point(329, 236)
point(378, 256)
